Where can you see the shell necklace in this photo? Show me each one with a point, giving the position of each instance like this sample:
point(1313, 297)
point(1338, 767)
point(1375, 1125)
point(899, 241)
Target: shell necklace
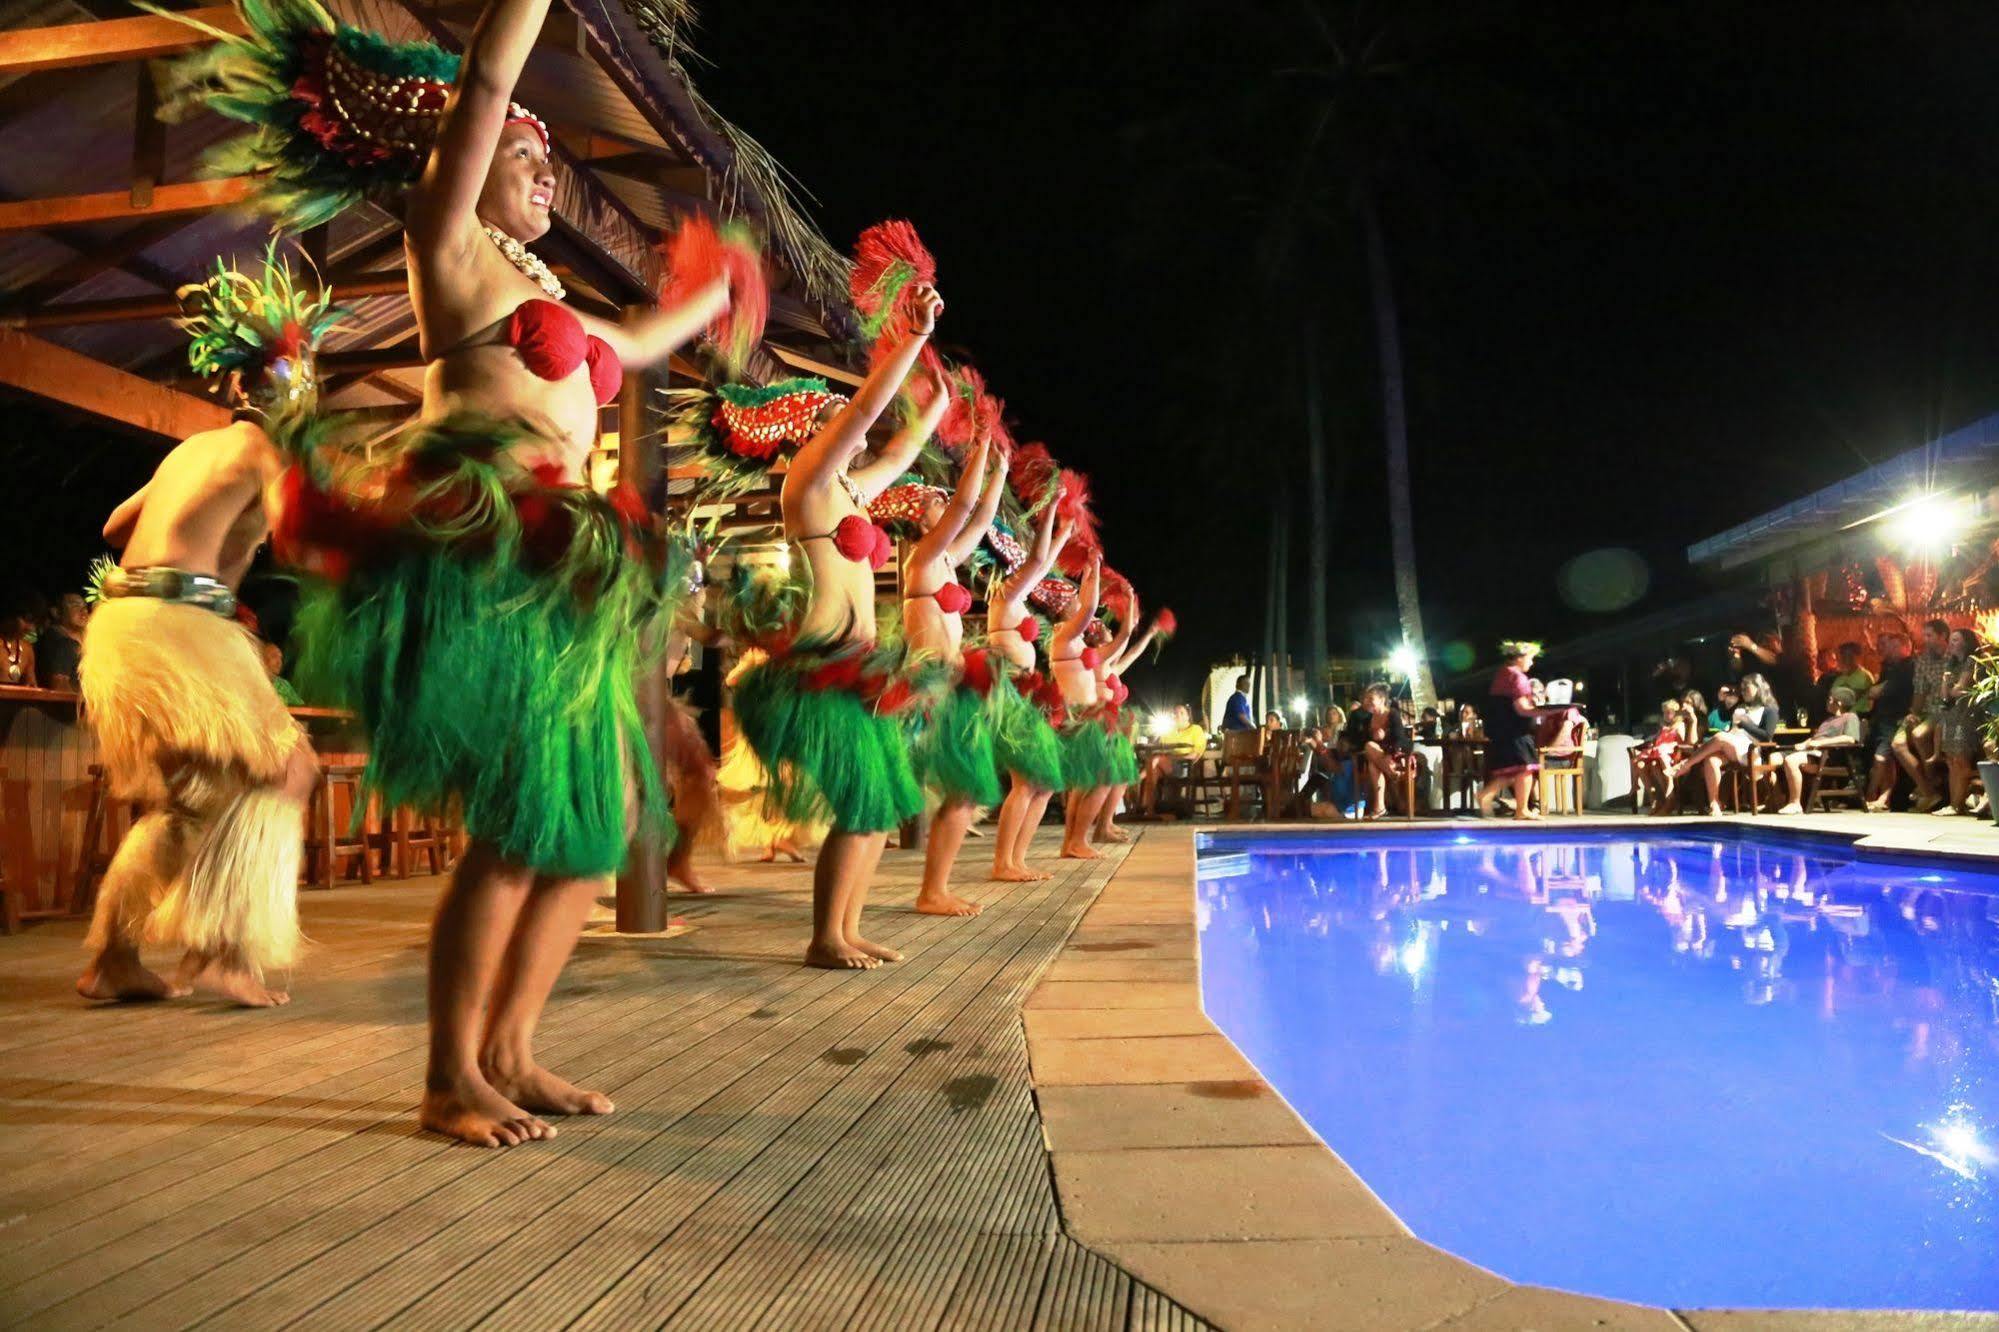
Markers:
point(526, 261)
point(15, 649)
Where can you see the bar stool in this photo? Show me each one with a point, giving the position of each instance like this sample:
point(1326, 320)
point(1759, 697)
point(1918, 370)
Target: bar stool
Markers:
point(414, 833)
point(93, 858)
point(326, 844)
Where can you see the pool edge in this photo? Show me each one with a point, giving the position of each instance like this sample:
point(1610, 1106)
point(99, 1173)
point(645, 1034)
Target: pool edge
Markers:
point(1206, 1196)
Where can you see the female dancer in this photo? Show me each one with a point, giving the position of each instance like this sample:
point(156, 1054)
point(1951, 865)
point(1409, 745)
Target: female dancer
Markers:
point(1117, 659)
point(1026, 744)
point(953, 749)
point(1089, 754)
point(1511, 758)
point(819, 712)
point(489, 641)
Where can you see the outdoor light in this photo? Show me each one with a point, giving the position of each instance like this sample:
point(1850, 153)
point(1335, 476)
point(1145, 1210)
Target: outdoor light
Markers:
point(1927, 521)
point(1301, 705)
point(1402, 661)
point(1161, 724)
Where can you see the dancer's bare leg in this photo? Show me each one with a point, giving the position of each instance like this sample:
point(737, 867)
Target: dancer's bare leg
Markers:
point(544, 935)
point(475, 922)
point(1523, 788)
point(940, 853)
point(843, 862)
point(859, 899)
point(1082, 814)
point(1010, 846)
point(1107, 829)
point(149, 858)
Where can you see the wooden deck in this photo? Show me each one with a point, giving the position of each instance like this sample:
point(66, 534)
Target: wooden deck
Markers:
point(793, 1148)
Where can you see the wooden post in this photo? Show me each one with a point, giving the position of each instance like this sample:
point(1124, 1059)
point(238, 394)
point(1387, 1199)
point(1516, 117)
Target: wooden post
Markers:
point(642, 907)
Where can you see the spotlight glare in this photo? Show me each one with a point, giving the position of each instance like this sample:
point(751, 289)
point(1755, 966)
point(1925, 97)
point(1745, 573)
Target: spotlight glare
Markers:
point(1402, 661)
point(1928, 522)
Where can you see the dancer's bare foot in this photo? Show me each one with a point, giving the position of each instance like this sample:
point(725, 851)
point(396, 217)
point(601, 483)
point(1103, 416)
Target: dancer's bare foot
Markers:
point(1528, 816)
point(471, 1111)
point(535, 1088)
point(121, 976)
point(839, 957)
point(227, 981)
point(1080, 853)
point(880, 952)
point(945, 904)
point(1113, 834)
point(1013, 874)
point(689, 884)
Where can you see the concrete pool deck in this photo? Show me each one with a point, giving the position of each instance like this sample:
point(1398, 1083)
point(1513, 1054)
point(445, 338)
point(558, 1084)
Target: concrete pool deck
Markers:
point(1176, 1160)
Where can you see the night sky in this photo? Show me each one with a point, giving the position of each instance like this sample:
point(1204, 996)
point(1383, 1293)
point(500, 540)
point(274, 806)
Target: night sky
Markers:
point(1661, 267)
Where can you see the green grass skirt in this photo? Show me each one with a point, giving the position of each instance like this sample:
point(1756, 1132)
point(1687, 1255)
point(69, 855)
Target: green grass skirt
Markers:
point(474, 688)
point(833, 755)
point(1090, 755)
point(1025, 744)
point(952, 748)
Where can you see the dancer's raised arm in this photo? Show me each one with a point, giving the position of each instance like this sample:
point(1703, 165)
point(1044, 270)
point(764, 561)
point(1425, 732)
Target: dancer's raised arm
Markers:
point(1069, 629)
point(1121, 662)
point(981, 521)
point(443, 206)
point(937, 543)
point(1049, 541)
point(840, 439)
point(895, 460)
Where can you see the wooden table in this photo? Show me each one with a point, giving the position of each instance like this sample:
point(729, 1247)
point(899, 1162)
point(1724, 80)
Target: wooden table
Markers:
point(1461, 756)
point(46, 753)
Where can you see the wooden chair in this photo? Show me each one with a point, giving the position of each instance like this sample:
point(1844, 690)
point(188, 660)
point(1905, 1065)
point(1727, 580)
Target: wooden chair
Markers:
point(412, 834)
point(1283, 766)
point(1241, 769)
point(93, 856)
point(1203, 786)
point(328, 839)
point(1840, 775)
point(1742, 783)
point(1562, 776)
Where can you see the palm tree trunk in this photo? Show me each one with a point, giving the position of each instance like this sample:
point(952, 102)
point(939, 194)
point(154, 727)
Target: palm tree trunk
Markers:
point(1280, 664)
point(1315, 488)
point(1259, 676)
point(1395, 429)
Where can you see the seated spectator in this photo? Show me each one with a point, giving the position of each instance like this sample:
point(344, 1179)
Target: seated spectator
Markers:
point(1652, 762)
point(1327, 774)
point(1236, 715)
point(1557, 730)
point(1379, 738)
point(1186, 741)
point(1849, 674)
point(1753, 721)
point(1469, 725)
point(1273, 723)
point(1725, 702)
point(60, 647)
point(17, 644)
point(274, 662)
point(1840, 730)
point(1430, 727)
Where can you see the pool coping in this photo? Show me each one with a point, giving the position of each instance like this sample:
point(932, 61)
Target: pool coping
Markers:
point(1173, 1157)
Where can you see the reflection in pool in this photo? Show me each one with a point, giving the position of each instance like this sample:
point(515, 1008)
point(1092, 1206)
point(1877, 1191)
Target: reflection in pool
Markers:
point(1702, 1071)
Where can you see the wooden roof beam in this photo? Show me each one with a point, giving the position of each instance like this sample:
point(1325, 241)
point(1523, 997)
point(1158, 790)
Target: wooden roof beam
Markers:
point(75, 380)
point(75, 210)
point(107, 41)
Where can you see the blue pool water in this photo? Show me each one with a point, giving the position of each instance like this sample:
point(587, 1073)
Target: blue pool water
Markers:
point(1698, 1071)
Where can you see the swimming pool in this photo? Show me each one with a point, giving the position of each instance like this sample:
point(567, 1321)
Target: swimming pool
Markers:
point(1714, 1070)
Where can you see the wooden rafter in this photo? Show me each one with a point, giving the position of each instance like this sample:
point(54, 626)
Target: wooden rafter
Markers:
point(73, 210)
point(114, 252)
point(61, 375)
point(72, 45)
point(125, 309)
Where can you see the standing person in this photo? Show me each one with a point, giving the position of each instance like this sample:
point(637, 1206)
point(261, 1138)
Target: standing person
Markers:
point(1754, 721)
point(176, 689)
point(1916, 746)
point(1089, 752)
point(58, 651)
point(1236, 714)
point(953, 749)
point(1960, 730)
point(1840, 730)
point(1510, 723)
point(821, 713)
point(1893, 696)
point(490, 642)
point(1028, 749)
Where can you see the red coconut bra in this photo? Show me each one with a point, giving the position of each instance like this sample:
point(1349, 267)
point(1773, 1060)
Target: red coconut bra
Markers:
point(552, 343)
point(858, 540)
point(952, 598)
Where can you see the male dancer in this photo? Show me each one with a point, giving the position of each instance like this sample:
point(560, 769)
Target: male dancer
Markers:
point(185, 715)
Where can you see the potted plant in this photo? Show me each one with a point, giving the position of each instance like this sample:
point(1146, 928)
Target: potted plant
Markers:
point(1984, 702)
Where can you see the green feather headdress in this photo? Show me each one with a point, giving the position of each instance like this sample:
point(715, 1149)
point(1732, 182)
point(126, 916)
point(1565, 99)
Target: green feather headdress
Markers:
point(262, 326)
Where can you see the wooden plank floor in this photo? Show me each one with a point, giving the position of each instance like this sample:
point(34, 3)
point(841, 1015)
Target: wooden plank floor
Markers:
point(793, 1148)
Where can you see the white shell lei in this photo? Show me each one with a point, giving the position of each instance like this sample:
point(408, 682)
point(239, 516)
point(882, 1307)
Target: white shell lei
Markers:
point(526, 261)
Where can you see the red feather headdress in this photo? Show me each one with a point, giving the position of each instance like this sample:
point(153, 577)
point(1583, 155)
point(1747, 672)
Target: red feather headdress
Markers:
point(1072, 506)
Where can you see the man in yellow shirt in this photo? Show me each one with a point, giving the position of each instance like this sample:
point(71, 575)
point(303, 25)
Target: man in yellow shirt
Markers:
point(1187, 740)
